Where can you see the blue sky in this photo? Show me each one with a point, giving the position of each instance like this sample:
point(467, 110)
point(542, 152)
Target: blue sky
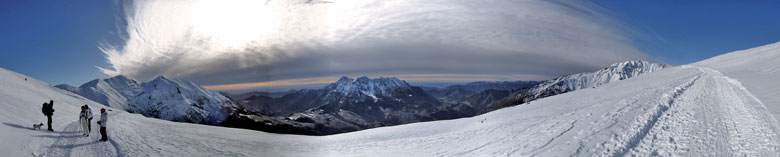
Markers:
point(689, 31)
point(57, 41)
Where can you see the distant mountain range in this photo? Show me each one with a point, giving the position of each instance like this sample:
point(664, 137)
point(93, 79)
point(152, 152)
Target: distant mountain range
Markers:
point(478, 94)
point(343, 106)
point(238, 96)
point(351, 105)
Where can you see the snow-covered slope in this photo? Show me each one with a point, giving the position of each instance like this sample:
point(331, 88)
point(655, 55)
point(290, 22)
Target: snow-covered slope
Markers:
point(681, 111)
point(20, 108)
point(758, 69)
point(168, 99)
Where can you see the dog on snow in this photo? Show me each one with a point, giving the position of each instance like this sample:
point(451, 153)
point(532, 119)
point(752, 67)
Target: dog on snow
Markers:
point(37, 126)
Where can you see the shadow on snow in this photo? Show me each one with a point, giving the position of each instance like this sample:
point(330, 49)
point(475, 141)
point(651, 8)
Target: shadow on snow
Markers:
point(43, 128)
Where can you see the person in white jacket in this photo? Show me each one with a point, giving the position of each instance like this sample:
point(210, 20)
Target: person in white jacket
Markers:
point(83, 121)
point(89, 118)
point(102, 123)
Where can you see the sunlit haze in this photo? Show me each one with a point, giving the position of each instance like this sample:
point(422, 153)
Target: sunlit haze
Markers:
point(240, 43)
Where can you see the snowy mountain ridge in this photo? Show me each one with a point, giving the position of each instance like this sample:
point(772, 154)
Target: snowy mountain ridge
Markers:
point(113, 91)
point(168, 99)
point(573, 82)
point(180, 100)
point(382, 86)
point(611, 73)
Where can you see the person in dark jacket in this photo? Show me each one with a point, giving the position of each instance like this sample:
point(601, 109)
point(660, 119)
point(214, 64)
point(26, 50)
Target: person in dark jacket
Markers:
point(48, 111)
point(102, 123)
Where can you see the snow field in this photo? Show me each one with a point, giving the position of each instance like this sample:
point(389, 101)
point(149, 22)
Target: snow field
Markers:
point(679, 111)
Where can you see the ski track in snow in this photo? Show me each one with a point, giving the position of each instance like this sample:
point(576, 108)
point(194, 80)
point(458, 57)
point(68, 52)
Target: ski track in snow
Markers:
point(667, 101)
point(695, 118)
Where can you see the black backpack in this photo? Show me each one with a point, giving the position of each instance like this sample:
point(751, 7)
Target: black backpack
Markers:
point(43, 109)
point(47, 109)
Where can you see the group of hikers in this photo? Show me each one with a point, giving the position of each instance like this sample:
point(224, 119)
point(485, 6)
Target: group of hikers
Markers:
point(85, 119)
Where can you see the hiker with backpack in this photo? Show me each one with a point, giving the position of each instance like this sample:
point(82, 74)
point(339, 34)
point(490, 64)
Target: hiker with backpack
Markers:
point(48, 111)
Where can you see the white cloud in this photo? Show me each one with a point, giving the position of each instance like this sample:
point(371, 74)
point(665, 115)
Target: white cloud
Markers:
point(223, 42)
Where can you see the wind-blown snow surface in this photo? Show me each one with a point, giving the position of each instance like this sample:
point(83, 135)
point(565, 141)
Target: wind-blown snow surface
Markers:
point(678, 111)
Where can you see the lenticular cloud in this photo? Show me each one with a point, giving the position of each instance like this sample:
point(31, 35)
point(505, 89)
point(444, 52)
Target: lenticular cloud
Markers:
point(223, 42)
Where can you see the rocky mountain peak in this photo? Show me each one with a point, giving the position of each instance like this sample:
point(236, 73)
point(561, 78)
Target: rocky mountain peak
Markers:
point(367, 86)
